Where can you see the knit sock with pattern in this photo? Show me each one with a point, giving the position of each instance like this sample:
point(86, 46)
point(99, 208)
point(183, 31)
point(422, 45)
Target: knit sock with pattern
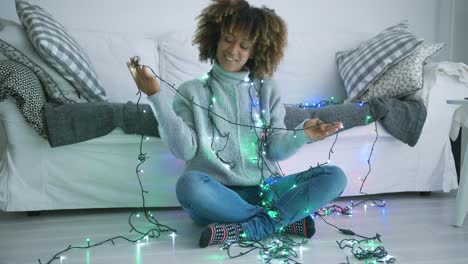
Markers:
point(219, 233)
point(304, 227)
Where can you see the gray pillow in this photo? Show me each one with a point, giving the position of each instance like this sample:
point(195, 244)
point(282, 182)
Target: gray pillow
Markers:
point(363, 65)
point(15, 45)
point(58, 47)
point(405, 77)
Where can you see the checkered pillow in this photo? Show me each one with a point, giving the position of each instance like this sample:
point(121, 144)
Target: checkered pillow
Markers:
point(60, 50)
point(361, 66)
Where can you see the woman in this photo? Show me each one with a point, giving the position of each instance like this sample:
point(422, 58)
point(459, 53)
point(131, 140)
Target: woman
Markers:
point(229, 126)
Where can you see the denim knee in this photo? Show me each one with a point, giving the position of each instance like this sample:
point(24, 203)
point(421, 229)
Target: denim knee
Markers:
point(188, 187)
point(339, 178)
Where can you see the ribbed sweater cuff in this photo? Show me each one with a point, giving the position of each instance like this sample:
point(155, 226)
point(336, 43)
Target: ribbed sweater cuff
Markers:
point(160, 102)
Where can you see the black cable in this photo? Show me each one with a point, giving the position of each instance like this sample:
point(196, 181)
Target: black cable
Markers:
point(172, 86)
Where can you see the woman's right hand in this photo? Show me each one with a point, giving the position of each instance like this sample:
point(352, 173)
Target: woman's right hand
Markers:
point(145, 80)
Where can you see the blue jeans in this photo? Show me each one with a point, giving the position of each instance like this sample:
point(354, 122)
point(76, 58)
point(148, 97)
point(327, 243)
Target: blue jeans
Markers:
point(293, 197)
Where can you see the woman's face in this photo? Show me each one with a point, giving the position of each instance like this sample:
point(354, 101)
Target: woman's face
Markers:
point(233, 51)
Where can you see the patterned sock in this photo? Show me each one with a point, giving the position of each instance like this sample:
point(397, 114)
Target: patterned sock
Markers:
point(219, 233)
point(304, 227)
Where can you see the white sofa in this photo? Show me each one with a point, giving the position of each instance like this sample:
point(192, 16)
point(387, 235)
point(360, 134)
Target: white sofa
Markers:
point(100, 173)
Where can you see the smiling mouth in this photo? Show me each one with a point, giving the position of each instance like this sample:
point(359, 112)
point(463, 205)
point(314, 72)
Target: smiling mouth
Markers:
point(230, 59)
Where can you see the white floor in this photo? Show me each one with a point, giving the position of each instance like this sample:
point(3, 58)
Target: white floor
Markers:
point(415, 229)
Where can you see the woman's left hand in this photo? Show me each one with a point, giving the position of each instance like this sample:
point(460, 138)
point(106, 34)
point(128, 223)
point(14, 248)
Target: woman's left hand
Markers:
point(316, 129)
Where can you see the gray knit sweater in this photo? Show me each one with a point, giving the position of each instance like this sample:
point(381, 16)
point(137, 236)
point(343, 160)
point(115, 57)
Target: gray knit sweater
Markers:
point(194, 135)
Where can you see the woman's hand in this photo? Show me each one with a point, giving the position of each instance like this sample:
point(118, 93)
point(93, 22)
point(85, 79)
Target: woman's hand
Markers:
point(316, 129)
point(145, 81)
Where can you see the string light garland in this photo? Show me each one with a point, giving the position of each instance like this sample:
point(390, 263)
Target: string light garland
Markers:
point(322, 103)
point(377, 254)
point(285, 248)
point(261, 129)
point(368, 249)
point(279, 247)
point(153, 232)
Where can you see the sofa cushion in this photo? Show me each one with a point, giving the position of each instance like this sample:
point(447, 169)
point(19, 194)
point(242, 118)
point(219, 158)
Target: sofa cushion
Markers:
point(405, 77)
point(178, 60)
point(308, 72)
point(361, 66)
point(15, 45)
point(58, 47)
point(109, 52)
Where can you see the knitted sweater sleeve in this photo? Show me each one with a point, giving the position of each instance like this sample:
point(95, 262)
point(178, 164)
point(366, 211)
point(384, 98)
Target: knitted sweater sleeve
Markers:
point(282, 143)
point(175, 122)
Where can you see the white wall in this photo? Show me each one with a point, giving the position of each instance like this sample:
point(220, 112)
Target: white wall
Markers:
point(430, 19)
point(460, 31)
point(301, 15)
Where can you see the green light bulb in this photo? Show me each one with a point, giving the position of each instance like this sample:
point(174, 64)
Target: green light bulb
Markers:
point(273, 214)
point(368, 119)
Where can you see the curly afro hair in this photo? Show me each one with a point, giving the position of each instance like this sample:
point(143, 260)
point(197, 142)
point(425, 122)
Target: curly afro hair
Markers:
point(262, 25)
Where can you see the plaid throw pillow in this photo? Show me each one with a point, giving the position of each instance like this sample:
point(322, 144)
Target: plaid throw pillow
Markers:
point(361, 66)
point(55, 44)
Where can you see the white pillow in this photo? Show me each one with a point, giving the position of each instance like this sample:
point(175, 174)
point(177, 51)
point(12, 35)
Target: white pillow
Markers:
point(109, 53)
point(178, 59)
point(308, 72)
